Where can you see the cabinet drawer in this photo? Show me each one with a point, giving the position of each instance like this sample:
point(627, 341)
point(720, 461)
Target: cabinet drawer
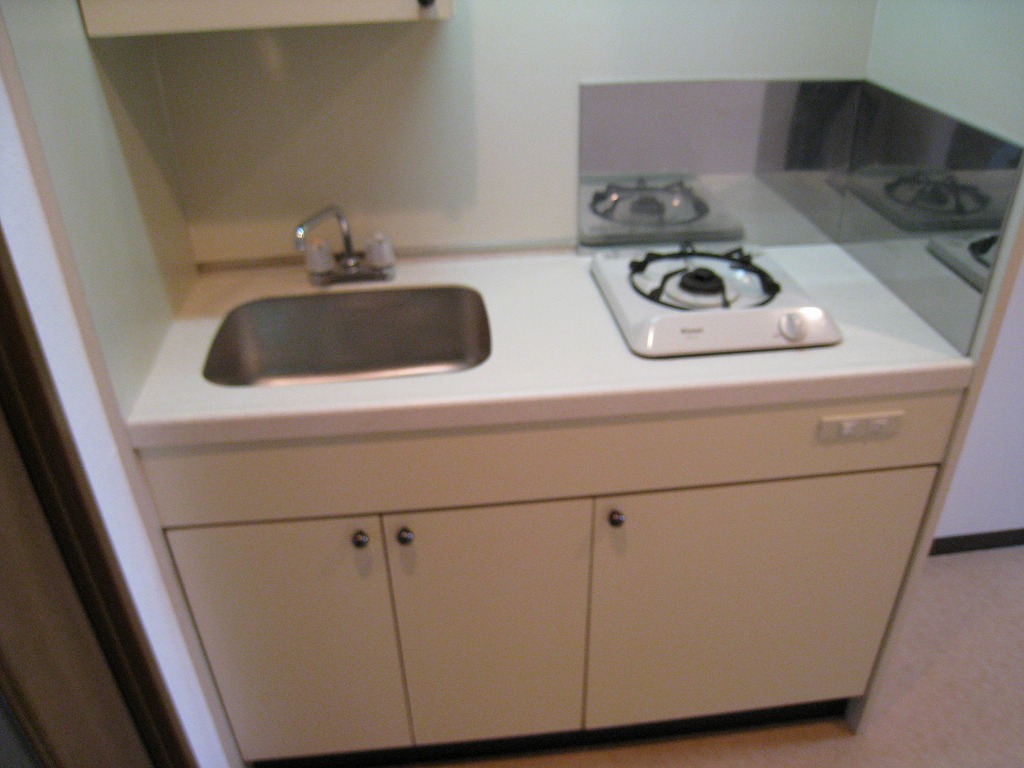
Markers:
point(316, 478)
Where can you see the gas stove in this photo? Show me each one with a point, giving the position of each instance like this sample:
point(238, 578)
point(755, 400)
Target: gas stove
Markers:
point(684, 301)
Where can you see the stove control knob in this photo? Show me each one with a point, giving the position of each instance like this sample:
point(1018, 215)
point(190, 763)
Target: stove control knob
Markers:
point(793, 326)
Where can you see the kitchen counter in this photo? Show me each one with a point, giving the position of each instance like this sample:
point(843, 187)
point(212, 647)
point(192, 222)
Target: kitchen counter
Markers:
point(323, 533)
point(556, 355)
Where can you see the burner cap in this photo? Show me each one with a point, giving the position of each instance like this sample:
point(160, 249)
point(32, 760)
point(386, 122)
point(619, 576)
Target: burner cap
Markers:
point(703, 281)
point(647, 206)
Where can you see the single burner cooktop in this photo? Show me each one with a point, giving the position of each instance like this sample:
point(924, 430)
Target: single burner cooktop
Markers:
point(690, 302)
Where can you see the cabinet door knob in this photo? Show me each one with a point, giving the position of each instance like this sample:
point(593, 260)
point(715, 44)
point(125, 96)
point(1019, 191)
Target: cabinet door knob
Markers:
point(360, 539)
point(616, 519)
point(405, 536)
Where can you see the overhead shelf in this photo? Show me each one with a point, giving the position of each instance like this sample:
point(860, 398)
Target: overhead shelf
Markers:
point(114, 18)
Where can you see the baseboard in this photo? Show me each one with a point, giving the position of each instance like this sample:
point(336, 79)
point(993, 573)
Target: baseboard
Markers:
point(948, 545)
point(566, 741)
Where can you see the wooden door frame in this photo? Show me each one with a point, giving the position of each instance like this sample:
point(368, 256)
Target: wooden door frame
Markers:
point(102, 694)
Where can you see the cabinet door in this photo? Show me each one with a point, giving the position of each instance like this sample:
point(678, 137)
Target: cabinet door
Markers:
point(491, 608)
point(298, 627)
point(733, 598)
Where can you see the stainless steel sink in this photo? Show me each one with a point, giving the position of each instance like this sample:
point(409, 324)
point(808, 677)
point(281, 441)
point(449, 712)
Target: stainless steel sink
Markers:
point(350, 335)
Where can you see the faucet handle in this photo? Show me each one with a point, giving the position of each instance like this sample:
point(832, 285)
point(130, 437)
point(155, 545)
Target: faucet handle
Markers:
point(320, 260)
point(380, 254)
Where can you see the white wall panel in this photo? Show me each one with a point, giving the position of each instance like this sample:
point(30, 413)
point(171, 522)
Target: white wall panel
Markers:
point(64, 191)
point(108, 233)
point(963, 58)
point(966, 59)
point(987, 491)
point(462, 133)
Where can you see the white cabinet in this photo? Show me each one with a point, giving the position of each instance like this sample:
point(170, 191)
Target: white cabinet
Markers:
point(495, 599)
point(108, 18)
point(733, 598)
point(492, 607)
point(296, 622)
point(695, 602)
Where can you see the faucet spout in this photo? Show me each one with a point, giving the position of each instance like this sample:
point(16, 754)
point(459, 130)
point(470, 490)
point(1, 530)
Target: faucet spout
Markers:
point(302, 231)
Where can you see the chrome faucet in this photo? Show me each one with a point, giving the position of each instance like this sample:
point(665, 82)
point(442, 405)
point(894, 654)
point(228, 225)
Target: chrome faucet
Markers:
point(377, 262)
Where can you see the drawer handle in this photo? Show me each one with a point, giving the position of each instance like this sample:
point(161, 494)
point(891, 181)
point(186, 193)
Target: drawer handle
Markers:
point(405, 536)
point(360, 539)
point(616, 519)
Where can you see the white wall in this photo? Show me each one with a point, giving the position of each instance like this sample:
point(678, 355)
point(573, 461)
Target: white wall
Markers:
point(456, 134)
point(987, 493)
point(109, 234)
point(986, 490)
point(963, 57)
point(78, 245)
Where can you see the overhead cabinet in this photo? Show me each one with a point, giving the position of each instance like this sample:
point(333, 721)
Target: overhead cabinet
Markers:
point(111, 18)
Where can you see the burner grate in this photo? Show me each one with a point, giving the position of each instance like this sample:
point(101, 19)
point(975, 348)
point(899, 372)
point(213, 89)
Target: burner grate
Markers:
point(937, 192)
point(646, 206)
point(689, 279)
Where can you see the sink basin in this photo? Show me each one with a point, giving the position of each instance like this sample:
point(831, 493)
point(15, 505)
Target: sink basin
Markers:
point(343, 336)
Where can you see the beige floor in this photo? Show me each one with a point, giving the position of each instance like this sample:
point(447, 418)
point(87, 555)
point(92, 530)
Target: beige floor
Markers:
point(951, 694)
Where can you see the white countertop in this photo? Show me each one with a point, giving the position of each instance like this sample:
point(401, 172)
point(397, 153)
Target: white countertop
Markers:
point(556, 355)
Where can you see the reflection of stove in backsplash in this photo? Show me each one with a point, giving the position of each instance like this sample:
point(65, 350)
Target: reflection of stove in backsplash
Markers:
point(651, 209)
point(934, 199)
point(969, 254)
